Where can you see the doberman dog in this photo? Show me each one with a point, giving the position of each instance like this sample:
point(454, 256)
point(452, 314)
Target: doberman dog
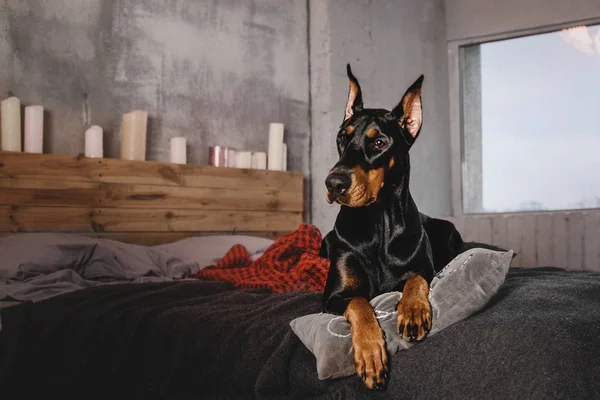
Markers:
point(380, 241)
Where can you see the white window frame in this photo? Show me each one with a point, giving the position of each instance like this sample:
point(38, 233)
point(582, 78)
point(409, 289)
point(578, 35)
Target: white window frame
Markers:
point(457, 147)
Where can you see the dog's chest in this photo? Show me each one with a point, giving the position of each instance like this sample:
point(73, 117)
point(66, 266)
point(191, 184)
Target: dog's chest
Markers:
point(394, 248)
point(383, 239)
point(383, 248)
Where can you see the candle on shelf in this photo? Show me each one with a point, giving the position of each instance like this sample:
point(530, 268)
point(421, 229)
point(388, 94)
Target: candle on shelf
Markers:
point(275, 146)
point(243, 159)
point(284, 157)
point(34, 129)
point(231, 158)
point(93, 142)
point(178, 154)
point(10, 110)
point(133, 135)
point(217, 156)
point(259, 160)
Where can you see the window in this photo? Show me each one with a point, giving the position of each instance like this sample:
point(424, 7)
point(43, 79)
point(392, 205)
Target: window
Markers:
point(531, 122)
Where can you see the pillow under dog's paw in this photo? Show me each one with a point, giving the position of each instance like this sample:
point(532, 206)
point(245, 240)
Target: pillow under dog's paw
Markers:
point(462, 288)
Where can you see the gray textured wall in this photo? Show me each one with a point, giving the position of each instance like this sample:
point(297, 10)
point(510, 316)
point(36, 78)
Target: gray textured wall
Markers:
point(475, 18)
point(220, 71)
point(389, 44)
point(216, 72)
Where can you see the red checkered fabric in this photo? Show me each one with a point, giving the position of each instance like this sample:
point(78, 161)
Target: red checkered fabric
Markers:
point(290, 264)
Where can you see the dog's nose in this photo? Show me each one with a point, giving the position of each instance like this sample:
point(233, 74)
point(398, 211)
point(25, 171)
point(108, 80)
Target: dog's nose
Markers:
point(337, 183)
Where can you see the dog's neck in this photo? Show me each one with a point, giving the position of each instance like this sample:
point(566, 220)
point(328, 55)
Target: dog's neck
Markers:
point(396, 191)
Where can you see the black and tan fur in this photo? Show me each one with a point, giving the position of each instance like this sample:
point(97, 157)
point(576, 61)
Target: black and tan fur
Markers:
point(380, 241)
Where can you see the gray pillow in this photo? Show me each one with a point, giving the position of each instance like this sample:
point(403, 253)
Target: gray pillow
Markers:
point(459, 290)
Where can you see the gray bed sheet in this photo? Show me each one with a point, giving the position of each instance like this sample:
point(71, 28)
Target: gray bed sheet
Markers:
point(38, 266)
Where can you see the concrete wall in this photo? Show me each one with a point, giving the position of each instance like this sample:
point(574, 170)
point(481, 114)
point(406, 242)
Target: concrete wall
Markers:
point(216, 72)
point(475, 18)
point(389, 44)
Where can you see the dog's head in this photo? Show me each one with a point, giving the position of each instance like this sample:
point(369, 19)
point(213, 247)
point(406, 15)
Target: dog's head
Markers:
point(372, 143)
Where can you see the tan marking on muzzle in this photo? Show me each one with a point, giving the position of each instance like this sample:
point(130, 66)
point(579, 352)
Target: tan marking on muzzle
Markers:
point(364, 188)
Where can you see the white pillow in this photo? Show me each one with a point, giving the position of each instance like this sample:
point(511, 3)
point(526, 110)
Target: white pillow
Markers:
point(35, 248)
point(206, 250)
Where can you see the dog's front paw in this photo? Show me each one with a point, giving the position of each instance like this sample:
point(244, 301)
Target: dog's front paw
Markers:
point(370, 359)
point(414, 318)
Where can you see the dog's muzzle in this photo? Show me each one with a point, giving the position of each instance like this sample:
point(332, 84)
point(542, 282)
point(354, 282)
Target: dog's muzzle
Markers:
point(337, 184)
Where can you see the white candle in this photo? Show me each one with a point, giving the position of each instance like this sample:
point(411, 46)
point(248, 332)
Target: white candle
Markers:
point(34, 129)
point(259, 160)
point(10, 110)
point(133, 135)
point(284, 157)
point(93, 142)
point(178, 153)
point(275, 146)
point(243, 159)
point(231, 159)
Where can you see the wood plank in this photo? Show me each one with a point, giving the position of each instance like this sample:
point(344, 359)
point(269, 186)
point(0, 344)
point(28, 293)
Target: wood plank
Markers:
point(513, 238)
point(36, 192)
point(528, 240)
point(57, 167)
point(559, 239)
point(591, 261)
point(471, 228)
point(83, 219)
point(575, 232)
point(156, 238)
point(484, 229)
point(499, 231)
point(543, 245)
point(563, 239)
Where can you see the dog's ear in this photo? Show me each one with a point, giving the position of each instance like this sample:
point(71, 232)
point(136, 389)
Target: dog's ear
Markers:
point(409, 112)
point(355, 102)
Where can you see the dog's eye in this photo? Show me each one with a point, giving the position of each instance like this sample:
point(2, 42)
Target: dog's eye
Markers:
point(378, 144)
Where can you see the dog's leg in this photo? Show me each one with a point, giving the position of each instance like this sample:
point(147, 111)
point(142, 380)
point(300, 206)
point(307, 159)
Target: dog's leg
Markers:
point(414, 310)
point(368, 343)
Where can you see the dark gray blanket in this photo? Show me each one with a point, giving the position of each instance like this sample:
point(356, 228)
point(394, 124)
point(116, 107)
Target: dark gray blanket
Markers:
point(537, 339)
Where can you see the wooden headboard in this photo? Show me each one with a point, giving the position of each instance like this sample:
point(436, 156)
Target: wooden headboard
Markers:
point(144, 202)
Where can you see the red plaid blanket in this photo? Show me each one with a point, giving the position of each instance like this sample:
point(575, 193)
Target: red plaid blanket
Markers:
point(290, 264)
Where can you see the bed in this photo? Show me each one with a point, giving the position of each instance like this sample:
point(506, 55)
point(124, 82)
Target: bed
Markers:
point(131, 323)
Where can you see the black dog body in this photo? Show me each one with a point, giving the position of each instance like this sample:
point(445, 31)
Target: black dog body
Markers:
point(378, 247)
point(380, 241)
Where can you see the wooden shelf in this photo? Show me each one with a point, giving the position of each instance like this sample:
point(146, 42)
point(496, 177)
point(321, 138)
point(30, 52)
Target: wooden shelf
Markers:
point(53, 193)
